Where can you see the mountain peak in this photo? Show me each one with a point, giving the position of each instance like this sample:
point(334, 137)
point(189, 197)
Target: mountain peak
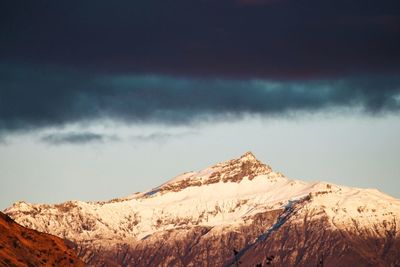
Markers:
point(234, 170)
point(248, 156)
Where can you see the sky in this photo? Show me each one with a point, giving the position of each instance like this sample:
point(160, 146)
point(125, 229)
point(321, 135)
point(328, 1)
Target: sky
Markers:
point(100, 100)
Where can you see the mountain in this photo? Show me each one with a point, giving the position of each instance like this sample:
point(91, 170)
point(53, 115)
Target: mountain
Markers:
point(20, 246)
point(235, 212)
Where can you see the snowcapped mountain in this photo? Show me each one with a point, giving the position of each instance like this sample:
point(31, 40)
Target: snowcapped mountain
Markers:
point(242, 205)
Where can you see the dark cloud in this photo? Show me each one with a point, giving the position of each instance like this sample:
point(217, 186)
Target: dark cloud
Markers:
point(76, 138)
point(230, 38)
point(80, 61)
point(34, 97)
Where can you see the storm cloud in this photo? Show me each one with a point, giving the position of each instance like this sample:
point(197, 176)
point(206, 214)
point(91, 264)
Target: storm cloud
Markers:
point(34, 97)
point(177, 62)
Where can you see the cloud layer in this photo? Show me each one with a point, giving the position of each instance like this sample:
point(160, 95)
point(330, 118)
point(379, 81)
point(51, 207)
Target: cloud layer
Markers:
point(35, 97)
point(176, 62)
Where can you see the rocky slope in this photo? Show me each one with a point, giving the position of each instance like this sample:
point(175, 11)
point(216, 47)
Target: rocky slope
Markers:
point(240, 207)
point(20, 246)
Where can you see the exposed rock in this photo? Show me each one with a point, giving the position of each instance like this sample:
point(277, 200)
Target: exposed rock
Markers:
point(20, 246)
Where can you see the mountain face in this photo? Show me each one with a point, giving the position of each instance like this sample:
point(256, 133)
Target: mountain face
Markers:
point(20, 246)
point(236, 212)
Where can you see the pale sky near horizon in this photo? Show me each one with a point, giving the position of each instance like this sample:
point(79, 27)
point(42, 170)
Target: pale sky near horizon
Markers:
point(353, 150)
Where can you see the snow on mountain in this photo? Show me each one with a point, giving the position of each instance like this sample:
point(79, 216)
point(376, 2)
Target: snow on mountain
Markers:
point(228, 195)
